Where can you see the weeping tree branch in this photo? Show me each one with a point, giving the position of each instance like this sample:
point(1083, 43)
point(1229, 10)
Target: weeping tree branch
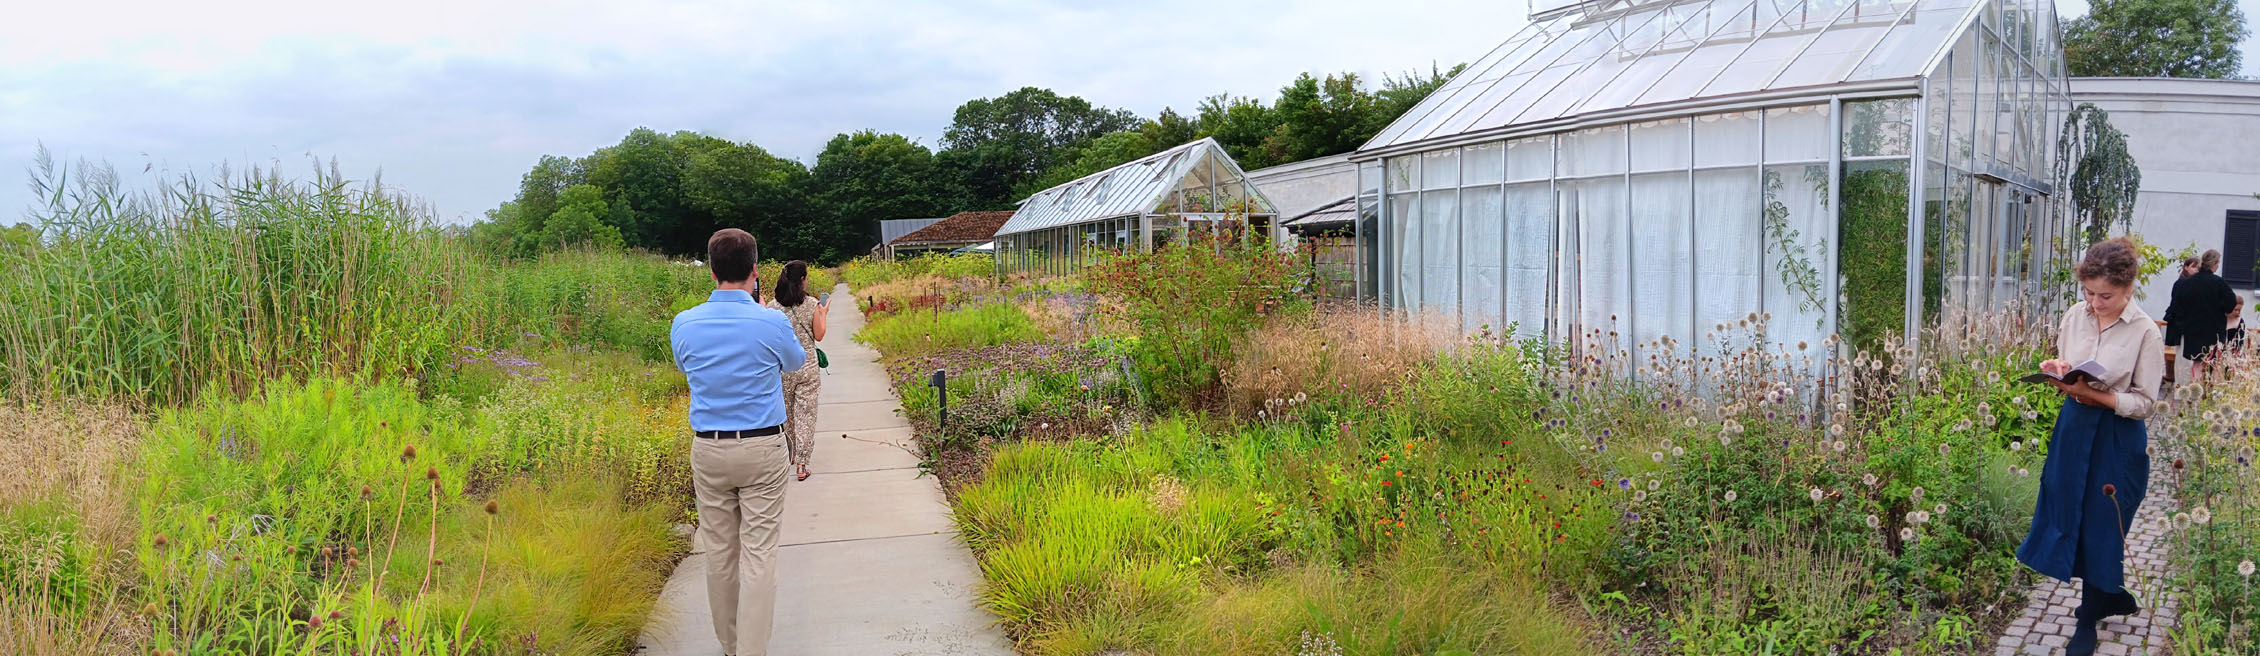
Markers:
point(2092, 163)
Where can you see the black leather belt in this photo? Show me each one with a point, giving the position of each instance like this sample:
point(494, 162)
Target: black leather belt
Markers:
point(736, 434)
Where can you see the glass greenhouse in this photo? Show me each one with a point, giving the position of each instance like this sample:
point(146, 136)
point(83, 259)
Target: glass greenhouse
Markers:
point(1195, 188)
point(1657, 168)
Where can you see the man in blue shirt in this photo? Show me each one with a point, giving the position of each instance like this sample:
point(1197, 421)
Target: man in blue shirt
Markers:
point(735, 353)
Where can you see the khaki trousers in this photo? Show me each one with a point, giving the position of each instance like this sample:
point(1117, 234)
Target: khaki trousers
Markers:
point(741, 503)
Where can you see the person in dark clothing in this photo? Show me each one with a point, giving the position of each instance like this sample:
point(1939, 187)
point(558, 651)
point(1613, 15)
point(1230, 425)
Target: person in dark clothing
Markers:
point(2174, 322)
point(2199, 311)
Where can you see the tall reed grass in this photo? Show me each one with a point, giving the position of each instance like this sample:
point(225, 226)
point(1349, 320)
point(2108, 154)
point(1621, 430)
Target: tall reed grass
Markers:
point(159, 294)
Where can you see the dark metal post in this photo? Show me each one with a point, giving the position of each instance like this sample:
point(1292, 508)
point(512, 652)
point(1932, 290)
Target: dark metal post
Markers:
point(941, 382)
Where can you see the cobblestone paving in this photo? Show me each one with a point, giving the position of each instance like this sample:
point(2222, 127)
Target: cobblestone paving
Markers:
point(2047, 621)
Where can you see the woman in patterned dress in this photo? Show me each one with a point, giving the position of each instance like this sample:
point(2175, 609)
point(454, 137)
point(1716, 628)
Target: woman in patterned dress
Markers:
point(807, 314)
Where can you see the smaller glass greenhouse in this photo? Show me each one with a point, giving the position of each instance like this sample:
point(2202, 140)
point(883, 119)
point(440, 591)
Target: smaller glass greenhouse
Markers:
point(1151, 202)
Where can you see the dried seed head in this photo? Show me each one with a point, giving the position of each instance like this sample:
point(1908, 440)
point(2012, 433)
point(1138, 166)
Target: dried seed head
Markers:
point(353, 551)
point(337, 615)
point(493, 507)
point(367, 494)
point(408, 453)
point(2110, 490)
point(431, 473)
point(314, 623)
point(352, 563)
point(160, 541)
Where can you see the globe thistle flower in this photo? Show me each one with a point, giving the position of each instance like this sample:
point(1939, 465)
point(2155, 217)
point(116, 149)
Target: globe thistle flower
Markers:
point(1916, 495)
point(1639, 496)
point(1868, 479)
point(2016, 445)
point(2181, 520)
point(1944, 447)
point(1655, 484)
point(1840, 446)
point(1678, 451)
point(2201, 515)
point(1874, 522)
point(1815, 494)
point(1907, 534)
point(2244, 569)
point(1730, 496)
point(1657, 456)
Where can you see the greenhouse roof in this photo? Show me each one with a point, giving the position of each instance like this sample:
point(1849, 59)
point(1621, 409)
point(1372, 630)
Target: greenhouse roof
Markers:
point(1132, 189)
point(1604, 55)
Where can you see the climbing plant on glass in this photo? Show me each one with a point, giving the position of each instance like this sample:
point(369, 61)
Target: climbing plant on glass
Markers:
point(2093, 164)
point(1792, 259)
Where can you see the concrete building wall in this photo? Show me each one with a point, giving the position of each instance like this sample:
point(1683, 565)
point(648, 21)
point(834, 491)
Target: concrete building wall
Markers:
point(2198, 144)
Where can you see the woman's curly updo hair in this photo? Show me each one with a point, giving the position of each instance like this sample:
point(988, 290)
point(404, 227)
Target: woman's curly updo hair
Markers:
point(2113, 261)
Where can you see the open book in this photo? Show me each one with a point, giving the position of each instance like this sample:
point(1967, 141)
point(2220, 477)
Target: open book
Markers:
point(2086, 371)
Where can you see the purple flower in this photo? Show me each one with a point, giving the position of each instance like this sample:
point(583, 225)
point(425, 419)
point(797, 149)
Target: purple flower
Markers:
point(1624, 484)
point(540, 379)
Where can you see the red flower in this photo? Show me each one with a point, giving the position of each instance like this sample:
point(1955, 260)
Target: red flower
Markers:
point(1384, 482)
point(1384, 457)
point(2110, 490)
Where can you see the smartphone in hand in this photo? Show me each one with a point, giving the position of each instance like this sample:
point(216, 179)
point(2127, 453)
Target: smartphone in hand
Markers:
point(824, 299)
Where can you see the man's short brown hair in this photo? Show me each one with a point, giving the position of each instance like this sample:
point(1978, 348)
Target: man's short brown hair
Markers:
point(730, 253)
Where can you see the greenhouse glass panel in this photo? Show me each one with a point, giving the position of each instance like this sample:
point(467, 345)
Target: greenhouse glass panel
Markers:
point(1660, 145)
point(1404, 246)
point(1596, 207)
point(1530, 159)
point(1873, 225)
point(1797, 134)
point(1661, 258)
point(1730, 264)
point(1903, 52)
point(1530, 253)
point(1596, 47)
point(1642, 32)
point(1837, 51)
point(1439, 254)
point(1484, 163)
point(1440, 169)
point(1480, 241)
point(1715, 18)
point(1468, 109)
point(1798, 30)
point(1879, 127)
point(1593, 151)
point(1799, 255)
point(1729, 139)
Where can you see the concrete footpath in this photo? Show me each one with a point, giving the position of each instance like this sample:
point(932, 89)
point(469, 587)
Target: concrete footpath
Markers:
point(870, 563)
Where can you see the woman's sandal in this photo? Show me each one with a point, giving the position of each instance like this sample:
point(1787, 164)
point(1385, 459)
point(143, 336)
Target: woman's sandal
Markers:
point(803, 472)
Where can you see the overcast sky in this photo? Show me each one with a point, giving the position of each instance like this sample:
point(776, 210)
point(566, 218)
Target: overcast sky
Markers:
point(454, 100)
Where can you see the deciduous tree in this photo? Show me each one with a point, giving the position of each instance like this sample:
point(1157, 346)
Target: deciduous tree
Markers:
point(2156, 38)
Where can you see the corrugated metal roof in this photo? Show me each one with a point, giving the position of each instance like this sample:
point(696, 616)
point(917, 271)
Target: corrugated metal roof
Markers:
point(1132, 189)
point(893, 229)
point(1613, 55)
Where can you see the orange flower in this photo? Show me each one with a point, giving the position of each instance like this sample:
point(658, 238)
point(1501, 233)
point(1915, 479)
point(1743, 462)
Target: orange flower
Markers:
point(1384, 457)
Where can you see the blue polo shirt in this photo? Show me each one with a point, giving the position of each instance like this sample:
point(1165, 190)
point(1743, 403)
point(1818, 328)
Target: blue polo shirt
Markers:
point(735, 353)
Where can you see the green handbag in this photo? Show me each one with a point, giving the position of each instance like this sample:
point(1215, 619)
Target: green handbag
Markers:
point(821, 361)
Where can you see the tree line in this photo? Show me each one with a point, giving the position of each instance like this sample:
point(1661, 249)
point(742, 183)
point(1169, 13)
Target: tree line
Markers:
point(667, 192)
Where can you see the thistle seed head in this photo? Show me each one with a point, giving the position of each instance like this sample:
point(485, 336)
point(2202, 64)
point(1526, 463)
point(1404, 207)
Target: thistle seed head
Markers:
point(408, 453)
point(493, 507)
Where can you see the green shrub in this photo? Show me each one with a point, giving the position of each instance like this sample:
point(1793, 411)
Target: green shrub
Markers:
point(1187, 306)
